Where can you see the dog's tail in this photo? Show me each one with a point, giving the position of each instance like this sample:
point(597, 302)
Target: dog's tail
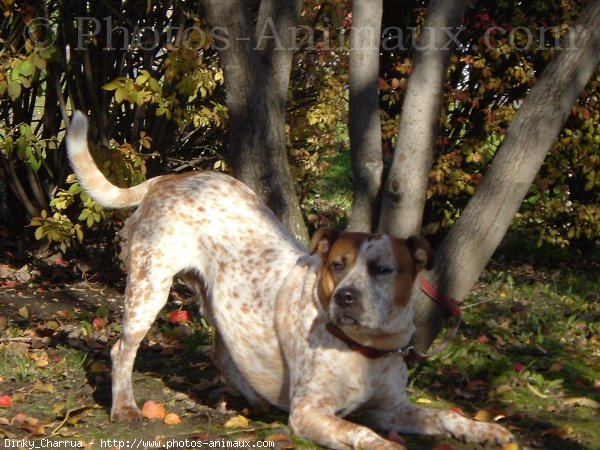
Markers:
point(89, 176)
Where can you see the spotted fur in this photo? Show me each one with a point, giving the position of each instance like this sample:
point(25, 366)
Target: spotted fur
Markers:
point(270, 302)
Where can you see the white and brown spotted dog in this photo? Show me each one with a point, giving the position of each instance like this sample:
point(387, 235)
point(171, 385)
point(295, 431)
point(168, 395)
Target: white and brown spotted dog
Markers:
point(319, 335)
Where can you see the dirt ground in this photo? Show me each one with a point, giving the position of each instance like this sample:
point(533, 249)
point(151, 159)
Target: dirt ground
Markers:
point(55, 335)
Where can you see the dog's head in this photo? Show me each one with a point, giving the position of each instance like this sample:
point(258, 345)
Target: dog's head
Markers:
point(366, 283)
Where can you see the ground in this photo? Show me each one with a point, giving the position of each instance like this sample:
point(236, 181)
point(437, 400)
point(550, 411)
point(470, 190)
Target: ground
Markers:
point(528, 356)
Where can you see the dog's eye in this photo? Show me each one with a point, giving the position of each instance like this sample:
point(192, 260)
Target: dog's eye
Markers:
point(383, 270)
point(336, 266)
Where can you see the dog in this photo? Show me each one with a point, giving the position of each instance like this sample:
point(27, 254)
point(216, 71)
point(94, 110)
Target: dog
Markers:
point(320, 334)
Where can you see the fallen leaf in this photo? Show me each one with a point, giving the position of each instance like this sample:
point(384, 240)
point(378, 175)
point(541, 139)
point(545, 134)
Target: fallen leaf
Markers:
point(278, 437)
point(5, 401)
point(560, 432)
point(18, 397)
point(483, 416)
point(41, 358)
point(582, 401)
point(283, 441)
point(519, 367)
point(535, 391)
point(179, 316)
point(154, 411)
point(510, 446)
point(237, 422)
point(483, 339)
point(98, 367)
point(172, 419)
point(423, 400)
point(98, 323)
point(61, 262)
point(52, 325)
point(28, 423)
point(503, 388)
point(23, 312)
point(43, 387)
point(474, 384)
point(458, 411)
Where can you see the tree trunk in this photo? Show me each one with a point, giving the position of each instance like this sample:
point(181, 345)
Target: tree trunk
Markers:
point(404, 192)
point(481, 227)
point(257, 66)
point(364, 117)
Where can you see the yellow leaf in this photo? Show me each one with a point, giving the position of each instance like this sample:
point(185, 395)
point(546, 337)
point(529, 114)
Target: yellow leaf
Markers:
point(582, 401)
point(423, 400)
point(24, 312)
point(510, 446)
point(172, 419)
point(41, 359)
point(43, 387)
point(58, 409)
point(483, 416)
point(237, 422)
point(503, 388)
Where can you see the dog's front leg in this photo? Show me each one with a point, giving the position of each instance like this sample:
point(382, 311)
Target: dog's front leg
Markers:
point(310, 419)
point(412, 419)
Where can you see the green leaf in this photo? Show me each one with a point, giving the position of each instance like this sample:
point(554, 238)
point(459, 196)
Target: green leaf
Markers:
point(27, 68)
point(154, 85)
point(120, 94)
point(142, 78)
point(111, 86)
point(39, 233)
point(84, 214)
point(14, 90)
point(38, 61)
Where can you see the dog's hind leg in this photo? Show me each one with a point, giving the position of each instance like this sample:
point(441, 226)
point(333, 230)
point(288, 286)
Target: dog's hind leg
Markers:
point(223, 361)
point(148, 284)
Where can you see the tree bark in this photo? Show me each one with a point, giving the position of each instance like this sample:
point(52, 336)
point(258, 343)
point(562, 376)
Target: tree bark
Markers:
point(404, 192)
point(364, 117)
point(257, 63)
point(481, 227)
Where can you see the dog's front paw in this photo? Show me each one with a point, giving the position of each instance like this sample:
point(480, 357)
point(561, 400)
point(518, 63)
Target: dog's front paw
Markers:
point(126, 414)
point(477, 432)
point(490, 433)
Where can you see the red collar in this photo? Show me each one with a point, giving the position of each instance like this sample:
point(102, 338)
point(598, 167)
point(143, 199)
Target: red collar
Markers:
point(366, 351)
point(409, 354)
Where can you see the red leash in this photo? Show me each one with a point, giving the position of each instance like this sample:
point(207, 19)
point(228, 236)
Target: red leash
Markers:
point(448, 303)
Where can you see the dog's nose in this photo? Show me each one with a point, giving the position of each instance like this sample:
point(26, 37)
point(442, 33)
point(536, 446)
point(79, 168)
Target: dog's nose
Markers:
point(346, 296)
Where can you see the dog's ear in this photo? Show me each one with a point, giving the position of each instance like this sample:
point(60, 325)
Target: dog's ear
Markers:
point(323, 240)
point(422, 252)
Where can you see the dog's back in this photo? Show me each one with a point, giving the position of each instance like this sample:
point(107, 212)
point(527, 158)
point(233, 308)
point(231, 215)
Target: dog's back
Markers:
point(221, 235)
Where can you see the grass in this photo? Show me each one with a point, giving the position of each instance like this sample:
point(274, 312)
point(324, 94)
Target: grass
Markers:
point(331, 197)
point(529, 350)
point(528, 354)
